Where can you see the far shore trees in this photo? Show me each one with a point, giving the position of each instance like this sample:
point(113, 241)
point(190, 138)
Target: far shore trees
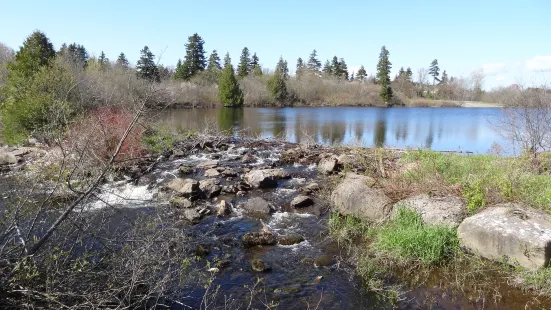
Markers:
point(277, 85)
point(229, 93)
point(146, 67)
point(194, 61)
point(434, 71)
point(243, 68)
point(313, 65)
point(383, 75)
point(122, 62)
point(362, 74)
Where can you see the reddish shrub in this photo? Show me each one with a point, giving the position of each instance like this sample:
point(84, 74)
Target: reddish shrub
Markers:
point(100, 132)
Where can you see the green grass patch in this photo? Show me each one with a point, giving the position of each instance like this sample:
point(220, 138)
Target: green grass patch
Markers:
point(407, 237)
point(347, 228)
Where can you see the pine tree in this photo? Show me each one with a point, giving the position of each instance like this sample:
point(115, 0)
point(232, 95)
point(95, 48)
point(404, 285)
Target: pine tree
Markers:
point(36, 52)
point(254, 62)
point(103, 61)
point(343, 69)
point(214, 62)
point(401, 72)
point(179, 74)
point(327, 68)
point(146, 67)
point(122, 61)
point(194, 61)
point(409, 74)
point(276, 85)
point(300, 67)
point(335, 69)
point(434, 71)
point(244, 61)
point(229, 93)
point(313, 64)
point(76, 52)
point(444, 79)
point(257, 70)
point(383, 74)
point(362, 74)
point(352, 76)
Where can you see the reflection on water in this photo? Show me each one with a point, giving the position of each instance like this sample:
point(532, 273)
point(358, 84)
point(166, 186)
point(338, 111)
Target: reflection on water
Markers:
point(434, 128)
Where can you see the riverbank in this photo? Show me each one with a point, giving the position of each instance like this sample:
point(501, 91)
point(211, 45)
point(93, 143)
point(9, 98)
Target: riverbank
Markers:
point(303, 217)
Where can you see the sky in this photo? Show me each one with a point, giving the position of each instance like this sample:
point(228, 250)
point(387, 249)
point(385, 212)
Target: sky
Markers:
point(509, 40)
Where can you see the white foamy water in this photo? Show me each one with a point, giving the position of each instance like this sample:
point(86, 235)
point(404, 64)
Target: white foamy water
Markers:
point(123, 194)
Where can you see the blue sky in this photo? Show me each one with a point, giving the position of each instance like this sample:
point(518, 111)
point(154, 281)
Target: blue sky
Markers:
point(510, 40)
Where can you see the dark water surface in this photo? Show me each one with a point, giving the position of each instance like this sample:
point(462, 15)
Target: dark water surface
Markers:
point(466, 129)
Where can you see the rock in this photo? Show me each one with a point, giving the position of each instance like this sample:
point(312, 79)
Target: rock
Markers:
point(346, 160)
point(508, 230)
point(192, 215)
point(221, 264)
point(209, 188)
point(179, 202)
point(355, 196)
point(310, 188)
point(230, 189)
point(288, 290)
point(307, 261)
point(257, 206)
point(223, 208)
point(301, 201)
point(327, 165)
point(259, 266)
point(324, 260)
point(7, 158)
point(240, 193)
point(177, 153)
point(251, 239)
point(186, 170)
point(207, 164)
point(290, 239)
point(201, 250)
point(265, 178)
point(185, 187)
point(248, 159)
point(228, 172)
point(211, 173)
point(448, 211)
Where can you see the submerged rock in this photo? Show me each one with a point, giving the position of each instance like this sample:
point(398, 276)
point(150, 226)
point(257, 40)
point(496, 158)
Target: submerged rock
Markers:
point(202, 250)
point(265, 178)
point(258, 206)
point(324, 260)
point(327, 165)
point(448, 211)
point(290, 239)
point(355, 196)
point(186, 170)
point(259, 266)
point(255, 238)
point(301, 201)
point(508, 230)
point(209, 188)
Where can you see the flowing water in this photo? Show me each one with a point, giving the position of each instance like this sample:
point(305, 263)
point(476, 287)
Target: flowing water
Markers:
point(457, 129)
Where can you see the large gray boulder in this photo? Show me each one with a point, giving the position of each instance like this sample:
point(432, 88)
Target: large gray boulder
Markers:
point(185, 187)
point(208, 164)
point(210, 188)
point(257, 206)
point(327, 165)
point(7, 158)
point(355, 196)
point(448, 211)
point(520, 234)
point(265, 178)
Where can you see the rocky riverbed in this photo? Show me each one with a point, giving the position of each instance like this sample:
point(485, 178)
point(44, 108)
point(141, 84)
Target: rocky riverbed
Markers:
point(259, 210)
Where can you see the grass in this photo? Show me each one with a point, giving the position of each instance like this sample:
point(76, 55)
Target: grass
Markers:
point(484, 179)
point(407, 237)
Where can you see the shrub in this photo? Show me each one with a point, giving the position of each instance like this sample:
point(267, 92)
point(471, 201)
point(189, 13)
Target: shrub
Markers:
point(407, 237)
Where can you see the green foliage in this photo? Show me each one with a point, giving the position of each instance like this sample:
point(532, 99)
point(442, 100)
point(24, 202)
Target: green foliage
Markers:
point(194, 62)
point(474, 195)
point(277, 86)
point(313, 64)
point(300, 67)
point(409, 238)
point(282, 68)
point(40, 104)
point(434, 71)
point(327, 68)
point(158, 139)
point(347, 228)
point(103, 61)
point(146, 67)
point(122, 61)
point(362, 74)
point(383, 74)
point(229, 93)
point(76, 53)
point(244, 62)
point(214, 62)
point(37, 51)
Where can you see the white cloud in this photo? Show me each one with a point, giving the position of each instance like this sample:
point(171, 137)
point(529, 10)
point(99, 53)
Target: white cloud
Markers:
point(500, 78)
point(539, 63)
point(494, 68)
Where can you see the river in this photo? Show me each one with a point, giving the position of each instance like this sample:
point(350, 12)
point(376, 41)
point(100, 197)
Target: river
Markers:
point(455, 129)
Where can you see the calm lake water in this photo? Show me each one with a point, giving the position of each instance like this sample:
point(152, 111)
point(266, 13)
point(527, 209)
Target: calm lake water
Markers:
point(465, 129)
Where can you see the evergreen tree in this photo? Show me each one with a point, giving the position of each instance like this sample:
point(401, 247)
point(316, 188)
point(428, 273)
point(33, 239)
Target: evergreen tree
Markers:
point(409, 74)
point(401, 72)
point(76, 52)
point(194, 61)
point(257, 70)
point(335, 69)
point(244, 63)
point(146, 67)
point(254, 62)
point(327, 68)
point(36, 52)
point(300, 67)
point(313, 64)
point(214, 62)
point(276, 85)
point(434, 71)
point(383, 74)
point(103, 61)
point(122, 61)
point(343, 69)
point(179, 74)
point(352, 76)
point(229, 93)
point(444, 79)
point(362, 74)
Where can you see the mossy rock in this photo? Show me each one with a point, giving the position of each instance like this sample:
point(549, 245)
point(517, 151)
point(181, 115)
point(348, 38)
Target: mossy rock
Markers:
point(290, 239)
point(259, 266)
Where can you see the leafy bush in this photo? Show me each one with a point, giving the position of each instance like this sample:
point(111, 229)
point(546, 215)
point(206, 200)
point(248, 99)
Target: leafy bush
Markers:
point(409, 238)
